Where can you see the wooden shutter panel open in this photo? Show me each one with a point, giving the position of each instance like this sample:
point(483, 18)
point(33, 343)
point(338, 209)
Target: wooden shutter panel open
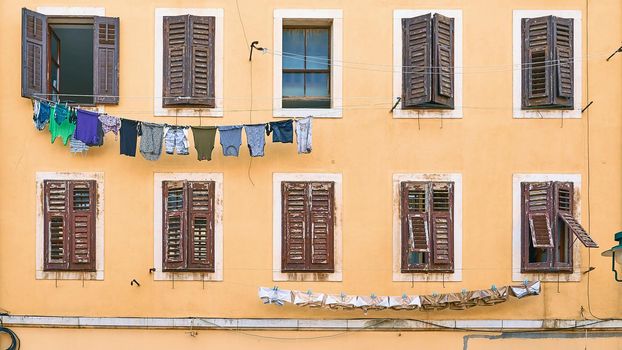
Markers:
point(174, 197)
point(294, 214)
point(442, 225)
point(106, 60)
point(34, 54)
point(538, 197)
point(443, 61)
point(201, 42)
point(564, 205)
point(56, 240)
point(201, 226)
point(414, 213)
point(82, 209)
point(416, 60)
point(564, 62)
point(321, 226)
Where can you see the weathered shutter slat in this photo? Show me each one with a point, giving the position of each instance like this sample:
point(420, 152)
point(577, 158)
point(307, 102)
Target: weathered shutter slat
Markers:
point(174, 197)
point(175, 62)
point(564, 60)
point(201, 74)
point(578, 230)
point(82, 208)
point(321, 221)
point(416, 60)
point(443, 61)
point(294, 211)
point(106, 60)
point(56, 240)
point(201, 226)
point(34, 53)
point(441, 210)
point(538, 198)
point(537, 56)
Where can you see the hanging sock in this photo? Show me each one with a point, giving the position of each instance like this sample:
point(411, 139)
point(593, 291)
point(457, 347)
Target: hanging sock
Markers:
point(42, 115)
point(129, 133)
point(110, 124)
point(151, 140)
point(283, 131)
point(230, 140)
point(303, 135)
point(204, 137)
point(176, 140)
point(256, 139)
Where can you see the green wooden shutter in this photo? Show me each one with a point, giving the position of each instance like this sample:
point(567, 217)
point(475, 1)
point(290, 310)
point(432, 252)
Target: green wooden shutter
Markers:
point(56, 225)
point(201, 226)
point(106, 60)
point(34, 54)
point(174, 206)
point(82, 211)
point(443, 61)
point(416, 60)
point(441, 210)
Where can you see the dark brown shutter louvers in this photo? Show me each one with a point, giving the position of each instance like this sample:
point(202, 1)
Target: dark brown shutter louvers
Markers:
point(321, 219)
point(174, 204)
point(188, 61)
point(538, 197)
point(82, 208)
point(56, 240)
point(443, 61)
point(547, 63)
point(201, 226)
point(564, 206)
point(106, 60)
point(442, 225)
point(34, 54)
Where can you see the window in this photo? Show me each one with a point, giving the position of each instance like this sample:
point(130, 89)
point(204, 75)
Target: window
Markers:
point(548, 62)
point(188, 226)
point(71, 59)
point(307, 226)
point(427, 225)
point(548, 226)
point(188, 61)
point(306, 67)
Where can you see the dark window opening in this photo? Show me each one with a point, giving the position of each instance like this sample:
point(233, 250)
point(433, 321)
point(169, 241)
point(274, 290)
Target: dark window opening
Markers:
point(306, 67)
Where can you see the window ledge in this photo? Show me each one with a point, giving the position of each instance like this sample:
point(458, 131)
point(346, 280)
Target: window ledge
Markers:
point(336, 276)
point(188, 112)
point(548, 114)
point(70, 275)
point(427, 113)
point(547, 277)
point(427, 277)
point(189, 276)
point(303, 112)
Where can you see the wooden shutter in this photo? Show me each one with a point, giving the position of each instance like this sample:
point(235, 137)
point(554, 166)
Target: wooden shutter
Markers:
point(538, 206)
point(414, 213)
point(416, 60)
point(201, 226)
point(564, 62)
point(188, 61)
point(441, 211)
point(443, 61)
point(106, 60)
point(536, 62)
point(564, 206)
point(174, 197)
point(34, 53)
point(82, 210)
point(56, 222)
point(294, 225)
point(321, 226)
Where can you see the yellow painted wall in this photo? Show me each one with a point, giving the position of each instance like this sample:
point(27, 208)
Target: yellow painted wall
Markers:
point(367, 146)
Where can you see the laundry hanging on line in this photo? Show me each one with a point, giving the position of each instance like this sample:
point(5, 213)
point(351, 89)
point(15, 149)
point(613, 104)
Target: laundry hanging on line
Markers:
point(82, 129)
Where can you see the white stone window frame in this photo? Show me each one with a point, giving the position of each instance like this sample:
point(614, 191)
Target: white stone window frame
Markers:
point(160, 275)
point(335, 18)
point(75, 11)
point(398, 275)
point(277, 239)
point(398, 112)
point(158, 73)
point(40, 273)
point(517, 275)
point(517, 61)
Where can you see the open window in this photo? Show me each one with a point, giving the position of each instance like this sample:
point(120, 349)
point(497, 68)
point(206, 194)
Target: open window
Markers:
point(72, 59)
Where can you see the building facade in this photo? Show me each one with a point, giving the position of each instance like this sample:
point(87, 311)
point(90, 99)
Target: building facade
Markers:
point(455, 146)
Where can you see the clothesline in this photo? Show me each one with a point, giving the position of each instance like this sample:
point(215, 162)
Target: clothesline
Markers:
point(84, 129)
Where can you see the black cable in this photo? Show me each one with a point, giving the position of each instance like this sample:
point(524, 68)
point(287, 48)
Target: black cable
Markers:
point(14, 338)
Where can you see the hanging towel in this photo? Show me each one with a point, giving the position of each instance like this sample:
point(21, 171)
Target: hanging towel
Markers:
point(129, 132)
point(88, 128)
point(283, 131)
point(255, 138)
point(303, 135)
point(151, 140)
point(204, 141)
point(230, 140)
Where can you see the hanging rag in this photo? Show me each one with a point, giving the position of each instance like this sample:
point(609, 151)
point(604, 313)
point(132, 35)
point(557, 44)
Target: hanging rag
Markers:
point(303, 135)
point(151, 140)
point(77, 146)
point(230, 140)
point(283, 131)
point(176, 139)
point(204, 137)
point(88, 128)
point(42, 115)
point(110, 124)
point(255, 138)
point(129, 133)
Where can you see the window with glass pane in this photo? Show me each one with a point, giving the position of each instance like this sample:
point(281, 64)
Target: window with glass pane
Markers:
point(306, 67)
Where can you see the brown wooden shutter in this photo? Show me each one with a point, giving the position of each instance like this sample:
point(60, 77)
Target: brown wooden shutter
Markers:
point(56, 222)
point(416, 60)
point(201, 42)
point(321, 226)
point(201, 226)
point(564, 62)
point(82, 211)
point(34, 54)
point(538, 206)
point(441, 211)
point(536, 61)
point(443, 61)
point(414, 213)
point(175, 49)
point(106, 60)
point(294, 214)
point(564, 206)
point(174, 198)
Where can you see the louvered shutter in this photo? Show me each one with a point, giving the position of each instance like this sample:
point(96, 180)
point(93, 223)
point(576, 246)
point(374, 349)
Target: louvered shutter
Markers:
point(416, 60)
point(82, 209)
point(201, 75)
point(321, 226)
point(414, 213)
point(538, 206)
point(441, 210)
point(34, 54)
point(294, 225)
point(443, 61)
point(564, 206)
point(564, 62)
point(201, 226)
point(537, 56)
point(175, 60)
point(106, 60)
point(56, 222)
point(174, 197)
